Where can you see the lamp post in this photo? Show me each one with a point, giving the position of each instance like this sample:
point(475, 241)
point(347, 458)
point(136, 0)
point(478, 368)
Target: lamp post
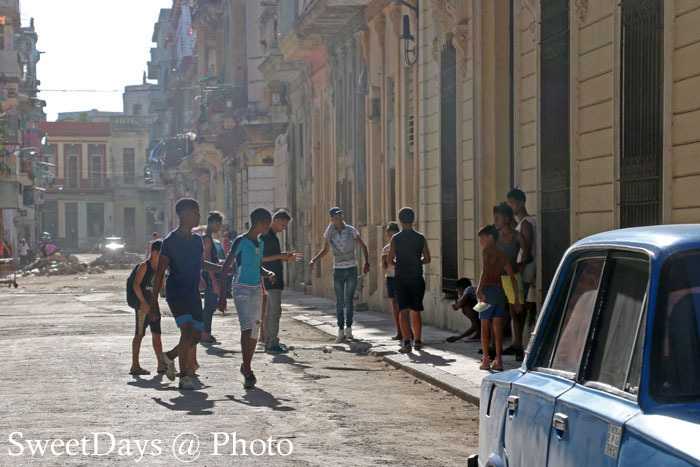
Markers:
point(410, 51)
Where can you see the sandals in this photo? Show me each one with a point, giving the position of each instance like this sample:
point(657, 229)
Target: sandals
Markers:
point(140, 371)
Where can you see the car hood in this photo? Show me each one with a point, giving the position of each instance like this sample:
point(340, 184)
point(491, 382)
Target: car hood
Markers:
point(676, 429)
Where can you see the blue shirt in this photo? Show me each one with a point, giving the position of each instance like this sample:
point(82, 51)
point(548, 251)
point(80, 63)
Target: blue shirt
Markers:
point(248, 256)
point(185, 265)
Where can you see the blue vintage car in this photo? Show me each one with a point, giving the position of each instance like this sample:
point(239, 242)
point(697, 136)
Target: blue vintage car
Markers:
point(612, 372)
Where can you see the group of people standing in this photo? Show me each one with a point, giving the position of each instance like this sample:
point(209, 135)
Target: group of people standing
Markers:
point(505, 294)
point(402, 261)
point(254, 269)
point(192, 265)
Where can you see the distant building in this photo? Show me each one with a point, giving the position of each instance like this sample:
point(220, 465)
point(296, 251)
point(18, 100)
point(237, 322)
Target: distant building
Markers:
point(22, 169)
point(100, 186)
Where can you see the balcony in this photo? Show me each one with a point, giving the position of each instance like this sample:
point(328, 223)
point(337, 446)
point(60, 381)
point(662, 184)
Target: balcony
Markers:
point(225, 99)
point(132, 122)
point(9, 65)
point(9, 5)
point(332, 20)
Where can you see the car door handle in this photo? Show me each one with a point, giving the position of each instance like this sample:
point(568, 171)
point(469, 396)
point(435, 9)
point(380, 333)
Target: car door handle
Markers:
point(560, 422)
point(513, 403)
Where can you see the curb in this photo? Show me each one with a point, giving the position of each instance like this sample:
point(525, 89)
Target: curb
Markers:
point(428, 373)
point(437, 377)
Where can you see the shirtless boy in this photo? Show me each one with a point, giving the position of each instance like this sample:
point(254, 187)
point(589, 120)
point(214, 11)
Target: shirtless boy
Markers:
point(491, 292)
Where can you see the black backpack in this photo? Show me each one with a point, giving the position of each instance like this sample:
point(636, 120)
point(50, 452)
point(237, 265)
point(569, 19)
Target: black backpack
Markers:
point(131, 298)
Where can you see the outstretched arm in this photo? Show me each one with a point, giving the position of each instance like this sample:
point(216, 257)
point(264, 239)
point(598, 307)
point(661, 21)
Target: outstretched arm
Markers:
point(321, 254)
point(365, 251)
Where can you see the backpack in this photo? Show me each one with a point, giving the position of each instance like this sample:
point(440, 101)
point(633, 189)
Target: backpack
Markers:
point(131, 298)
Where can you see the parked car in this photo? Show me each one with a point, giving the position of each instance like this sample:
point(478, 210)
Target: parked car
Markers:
point(114, 245)
point(611, 376)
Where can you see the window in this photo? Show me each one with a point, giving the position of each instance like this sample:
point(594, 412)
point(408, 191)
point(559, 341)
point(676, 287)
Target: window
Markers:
point(675, 366)
point(97, 169)
point(616, 327)
point(554, 135)
point(96, 219)
point(641, 111)
point(129, 166)
point(577, 320)
point(72, 161)
point(50, 213)
point(448, 170)
point(567, 327)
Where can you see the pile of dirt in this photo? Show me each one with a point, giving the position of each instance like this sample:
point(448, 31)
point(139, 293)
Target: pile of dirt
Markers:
point(60, 265)
point(117, 260)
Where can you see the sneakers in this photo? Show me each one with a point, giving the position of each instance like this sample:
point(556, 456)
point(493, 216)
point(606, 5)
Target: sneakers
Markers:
point(406, 347)
point(169, 366)
point(497, 365)
point(277, 348)
point(485, 364)
point(418, 345)
point(186, 383)
point(341, 336)
point(348, 333)
point(249, 381)
point(208, 340)
point(397, 337)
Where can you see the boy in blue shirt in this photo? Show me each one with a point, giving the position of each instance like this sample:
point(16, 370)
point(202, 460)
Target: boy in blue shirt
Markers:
point(182, 252)
point(245, 259)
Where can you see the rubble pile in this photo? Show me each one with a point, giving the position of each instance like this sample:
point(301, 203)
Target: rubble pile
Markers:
point(60, 265)
point(117, 260)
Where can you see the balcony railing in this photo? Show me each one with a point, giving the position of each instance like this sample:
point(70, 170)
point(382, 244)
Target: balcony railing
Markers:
point(224, 99)
point(132, 122)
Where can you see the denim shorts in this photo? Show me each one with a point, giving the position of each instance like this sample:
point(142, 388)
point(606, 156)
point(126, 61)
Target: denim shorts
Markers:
point(187, 311)
point(248, 301)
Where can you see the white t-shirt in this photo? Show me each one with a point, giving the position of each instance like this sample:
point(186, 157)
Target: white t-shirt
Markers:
point(530, 269)
point(23, 249)
point(343, 245)
point(391, 270)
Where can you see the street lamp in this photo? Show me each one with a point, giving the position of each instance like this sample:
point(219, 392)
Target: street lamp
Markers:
point(410, 51)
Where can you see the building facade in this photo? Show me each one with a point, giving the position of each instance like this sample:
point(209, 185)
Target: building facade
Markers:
point(100, 186)
point(589, 106)
point(23, 171)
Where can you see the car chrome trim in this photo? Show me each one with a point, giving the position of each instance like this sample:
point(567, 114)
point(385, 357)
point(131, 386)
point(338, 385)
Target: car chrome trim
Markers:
point(611, 389)
point(561, 373)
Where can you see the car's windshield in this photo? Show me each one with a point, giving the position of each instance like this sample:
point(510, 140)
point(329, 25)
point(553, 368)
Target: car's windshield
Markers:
point(676, 352)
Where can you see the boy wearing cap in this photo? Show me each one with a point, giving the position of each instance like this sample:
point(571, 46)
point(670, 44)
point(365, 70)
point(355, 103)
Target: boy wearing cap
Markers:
point(341, 238)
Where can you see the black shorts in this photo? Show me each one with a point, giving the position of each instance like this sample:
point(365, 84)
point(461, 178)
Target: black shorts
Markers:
point(391, 287)
point(143, 321)
point(410, 292)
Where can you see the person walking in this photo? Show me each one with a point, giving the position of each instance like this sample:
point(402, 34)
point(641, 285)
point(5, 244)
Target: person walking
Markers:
point(341, 238)
point(23, 252)
point(211, 280)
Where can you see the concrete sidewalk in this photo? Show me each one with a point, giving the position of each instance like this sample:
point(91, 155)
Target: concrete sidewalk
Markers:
point(453, 367)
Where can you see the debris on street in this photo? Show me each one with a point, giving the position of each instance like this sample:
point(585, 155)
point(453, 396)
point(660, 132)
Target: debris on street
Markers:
point(60, 265)
point(117, 260)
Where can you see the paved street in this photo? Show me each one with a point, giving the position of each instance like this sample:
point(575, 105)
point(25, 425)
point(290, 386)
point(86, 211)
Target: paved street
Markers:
point(67, 342)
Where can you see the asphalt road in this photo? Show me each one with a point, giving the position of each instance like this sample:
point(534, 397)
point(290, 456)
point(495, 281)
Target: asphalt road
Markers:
point(66, 390)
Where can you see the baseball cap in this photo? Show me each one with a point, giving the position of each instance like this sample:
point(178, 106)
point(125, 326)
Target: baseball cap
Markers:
point(335, 210)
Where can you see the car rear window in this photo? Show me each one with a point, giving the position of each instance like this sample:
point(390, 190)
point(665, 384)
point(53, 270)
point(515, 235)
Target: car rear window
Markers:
point(676, 339)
